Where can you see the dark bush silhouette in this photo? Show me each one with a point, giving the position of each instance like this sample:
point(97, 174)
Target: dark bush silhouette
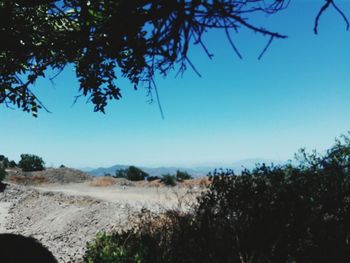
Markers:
point(168, 179)
point(18, 249)
point(121, 173)
point(2, 173)
point(12, 164)
point(132, 173)
point(31, 162)
point(180, 175)
point(290, 213)
point(4, 161)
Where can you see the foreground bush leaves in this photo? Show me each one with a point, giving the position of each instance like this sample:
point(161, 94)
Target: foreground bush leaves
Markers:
point(291, 213)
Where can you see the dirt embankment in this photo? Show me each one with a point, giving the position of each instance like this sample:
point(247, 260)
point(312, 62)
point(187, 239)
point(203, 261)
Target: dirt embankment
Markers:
point(65, 208)
point(48, 176)
point(65, 217)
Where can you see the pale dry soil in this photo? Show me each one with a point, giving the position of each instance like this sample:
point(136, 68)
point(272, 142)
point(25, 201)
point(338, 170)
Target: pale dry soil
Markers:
point(64, 217)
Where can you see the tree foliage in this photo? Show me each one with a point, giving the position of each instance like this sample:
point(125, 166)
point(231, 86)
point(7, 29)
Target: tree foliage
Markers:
point(132, 173)
point(106, 39)
point(2, 173)
point(168, 179)
point(182, 175)
point(31, 162)
point(4, 161)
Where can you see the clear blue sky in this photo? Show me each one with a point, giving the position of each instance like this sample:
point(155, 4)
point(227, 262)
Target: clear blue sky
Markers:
point(298, 95)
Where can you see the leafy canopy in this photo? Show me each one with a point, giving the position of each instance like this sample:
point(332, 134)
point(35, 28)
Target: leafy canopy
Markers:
point(31, 162)
point(102, 37)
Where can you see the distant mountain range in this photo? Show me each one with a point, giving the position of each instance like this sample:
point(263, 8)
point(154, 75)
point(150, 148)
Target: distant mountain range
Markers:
point(194, 171)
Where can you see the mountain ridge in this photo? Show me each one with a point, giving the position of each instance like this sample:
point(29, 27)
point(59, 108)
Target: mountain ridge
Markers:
point(195, 171)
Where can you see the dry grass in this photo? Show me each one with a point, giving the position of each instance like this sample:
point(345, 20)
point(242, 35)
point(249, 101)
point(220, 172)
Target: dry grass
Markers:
point(197, 182)
point(104, 181)
point(26, 180)
point(18, 179)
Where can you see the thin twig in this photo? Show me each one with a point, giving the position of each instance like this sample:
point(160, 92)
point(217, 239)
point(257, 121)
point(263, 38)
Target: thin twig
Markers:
point(323, 8)
point(193, 67)
point(232, 44)
point(342, 15)
point(265, 48)
point(158, 100)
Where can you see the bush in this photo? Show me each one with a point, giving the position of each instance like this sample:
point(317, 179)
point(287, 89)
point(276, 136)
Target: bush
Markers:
point(121, 173)
point(154, 239)
point(132, 173)
point(30, 162)
point(181, 176)
point(4, 161)
point(113, 248)
point(288, 213)
point(168, 179)
point(2, 173)
point(12, 164)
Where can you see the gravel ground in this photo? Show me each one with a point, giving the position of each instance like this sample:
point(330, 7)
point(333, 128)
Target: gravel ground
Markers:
point(64, 219)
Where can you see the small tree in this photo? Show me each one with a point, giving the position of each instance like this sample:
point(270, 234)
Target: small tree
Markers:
point(2, 173)
point(31, 162)
point(121, 173)
point(4, 161)
point(135, 174)
point(180, 176)
point(168, 179)
point(12, 164)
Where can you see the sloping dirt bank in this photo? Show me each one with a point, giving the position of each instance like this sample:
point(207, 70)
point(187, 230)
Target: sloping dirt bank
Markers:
point(65, 217)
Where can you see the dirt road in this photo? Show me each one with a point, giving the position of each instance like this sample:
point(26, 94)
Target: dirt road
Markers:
point(134, 196)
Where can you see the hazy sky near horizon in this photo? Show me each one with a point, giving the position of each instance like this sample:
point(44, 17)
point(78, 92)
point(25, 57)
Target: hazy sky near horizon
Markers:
point(297, 96)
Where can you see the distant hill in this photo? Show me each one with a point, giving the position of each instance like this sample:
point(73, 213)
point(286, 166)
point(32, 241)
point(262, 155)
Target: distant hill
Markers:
point(158, 171)
point(194, 171)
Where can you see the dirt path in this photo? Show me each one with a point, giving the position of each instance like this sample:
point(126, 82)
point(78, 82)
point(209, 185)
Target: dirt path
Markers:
point(139, 196)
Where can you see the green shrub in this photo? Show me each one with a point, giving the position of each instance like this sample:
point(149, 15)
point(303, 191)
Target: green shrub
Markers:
point(154, 239)
point(135, 174)
point(12, 164)
point(113, 248)
point(168, 179)
point(132, 173)
point(2, 173)
point(4, 161)
point(121, 173)
point(180, 176)
point(30, 162)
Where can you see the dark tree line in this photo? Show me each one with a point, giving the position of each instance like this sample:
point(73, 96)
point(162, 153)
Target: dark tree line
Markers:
point(298, 212)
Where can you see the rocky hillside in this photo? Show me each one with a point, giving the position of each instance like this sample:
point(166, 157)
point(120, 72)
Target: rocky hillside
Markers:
point(49, 175)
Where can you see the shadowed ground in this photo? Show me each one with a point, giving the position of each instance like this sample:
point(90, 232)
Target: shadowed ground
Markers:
point(17, 249)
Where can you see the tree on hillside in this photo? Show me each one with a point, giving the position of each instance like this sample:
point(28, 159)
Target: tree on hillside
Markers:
point(31, 162)
point(136, 174)
point(132, 173)
point(99, 38)
point(183, 175)
point(4, 161)
point(2, 173)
